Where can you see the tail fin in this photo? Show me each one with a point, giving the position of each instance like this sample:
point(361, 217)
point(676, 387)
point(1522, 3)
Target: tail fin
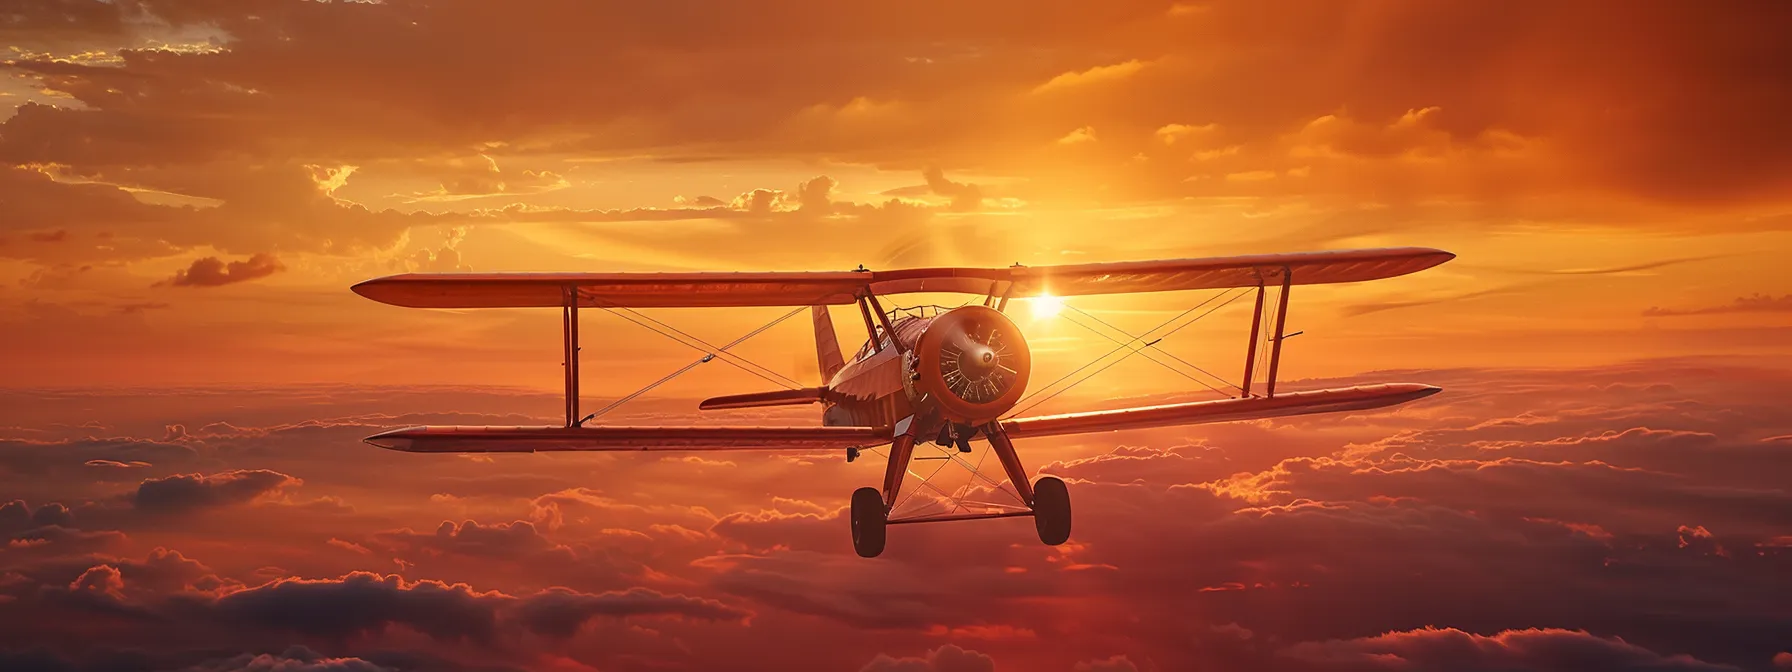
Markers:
point(827, 346)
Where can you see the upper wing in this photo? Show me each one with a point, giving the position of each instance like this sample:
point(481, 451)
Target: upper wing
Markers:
point(1162, 275)
point(476, 439)
point(634, 290)
point(1223, 410)
point(795, 288)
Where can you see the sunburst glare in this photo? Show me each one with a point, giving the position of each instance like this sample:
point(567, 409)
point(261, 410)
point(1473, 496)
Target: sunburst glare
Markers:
point(1046, 306)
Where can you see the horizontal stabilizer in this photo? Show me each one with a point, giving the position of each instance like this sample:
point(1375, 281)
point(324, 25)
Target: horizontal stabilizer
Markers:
point(480, 439)
point(807, 395)
point(1358, 398)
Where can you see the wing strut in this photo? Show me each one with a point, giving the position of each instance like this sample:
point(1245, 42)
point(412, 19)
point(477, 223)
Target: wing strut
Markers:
point(569, 314)
point(883, 317)
point(877, 344)
point(1250, 351)
point(1275, 348)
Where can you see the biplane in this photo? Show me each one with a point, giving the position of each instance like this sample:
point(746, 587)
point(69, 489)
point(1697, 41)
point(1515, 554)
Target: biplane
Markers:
point(933, 378)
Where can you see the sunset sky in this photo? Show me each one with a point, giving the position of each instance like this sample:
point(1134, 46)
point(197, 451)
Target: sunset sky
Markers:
point(188, 188)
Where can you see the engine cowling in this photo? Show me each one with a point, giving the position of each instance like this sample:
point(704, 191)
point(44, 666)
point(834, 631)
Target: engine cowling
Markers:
point(972, 364)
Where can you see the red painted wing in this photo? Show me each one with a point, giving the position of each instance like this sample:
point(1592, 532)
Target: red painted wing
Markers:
point(633, 290)
point(1223, 410)
point(475, 439)
point(800, 288)
point(1163, 275)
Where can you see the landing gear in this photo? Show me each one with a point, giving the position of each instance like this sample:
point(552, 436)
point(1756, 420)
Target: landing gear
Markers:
point(873, 510)
point(868, 522)
point(1051, 510)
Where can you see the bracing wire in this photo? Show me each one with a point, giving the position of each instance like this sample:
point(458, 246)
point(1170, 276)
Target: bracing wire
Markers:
point(1148, 355)
point(708, 346)
point(703, 346)
point(1123, 346)
point(706, 357)
point(1129, 353)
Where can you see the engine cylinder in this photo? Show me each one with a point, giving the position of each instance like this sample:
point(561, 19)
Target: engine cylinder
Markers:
point(972, 363)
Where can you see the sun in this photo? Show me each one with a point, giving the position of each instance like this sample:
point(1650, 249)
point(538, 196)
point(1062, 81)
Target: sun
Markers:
point(1046, 306)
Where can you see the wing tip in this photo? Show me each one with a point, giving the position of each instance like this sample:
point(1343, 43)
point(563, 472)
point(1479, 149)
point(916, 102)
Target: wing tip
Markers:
point(396, 439)
point(370, 288)
point(387, 289)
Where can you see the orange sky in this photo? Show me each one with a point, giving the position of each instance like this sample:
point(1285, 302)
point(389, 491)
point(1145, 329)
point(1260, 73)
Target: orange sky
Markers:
point(188, 188)
point(1584, 182)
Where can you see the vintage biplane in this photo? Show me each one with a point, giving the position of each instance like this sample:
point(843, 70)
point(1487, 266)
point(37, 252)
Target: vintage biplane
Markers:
point(928, 376)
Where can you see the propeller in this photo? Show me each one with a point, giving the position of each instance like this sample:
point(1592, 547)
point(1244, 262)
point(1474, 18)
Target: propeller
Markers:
point(975, 363)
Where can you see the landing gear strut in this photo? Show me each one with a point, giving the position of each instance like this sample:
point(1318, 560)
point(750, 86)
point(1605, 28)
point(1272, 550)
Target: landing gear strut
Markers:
point(1046, 500)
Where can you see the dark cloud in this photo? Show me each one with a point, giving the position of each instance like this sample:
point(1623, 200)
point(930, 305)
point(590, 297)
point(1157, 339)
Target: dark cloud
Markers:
point(42, 458)
point(1641, 504)
point(948, 658)
point(964, 196)
point(559, 612)
point(1540, 650)
point(1758, 303)
point(214, 272)
point(16, 516)
point(363, 603)
point(293, 659)
point(505, 540)
point(192, 492)
point(817, 195)
point(185, 600)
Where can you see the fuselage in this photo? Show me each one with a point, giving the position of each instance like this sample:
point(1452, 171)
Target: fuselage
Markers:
point(956, 369)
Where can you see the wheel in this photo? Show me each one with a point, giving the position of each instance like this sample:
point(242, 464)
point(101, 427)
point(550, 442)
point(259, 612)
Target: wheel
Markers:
point(1051, 510)
point(868, 522)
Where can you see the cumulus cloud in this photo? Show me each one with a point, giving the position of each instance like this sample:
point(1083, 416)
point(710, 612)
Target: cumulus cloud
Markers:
point(816, 195)
point(1448, 648)
point(17, 516)
point(193, 492)
point(480, 177)
point(362, 603)
point(293, 659)
point(948, 658)
point(170, 589)
point(1757, 303)
point(1091, 76)
point(964, 196)
point(214, 272)
point(559, 612)
point(1636, 502)
point(503, 540)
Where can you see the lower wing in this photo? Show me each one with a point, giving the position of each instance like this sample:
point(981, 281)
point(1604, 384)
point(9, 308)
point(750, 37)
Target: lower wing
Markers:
point(1358, 398)
point(478, 439)
point(464, 439)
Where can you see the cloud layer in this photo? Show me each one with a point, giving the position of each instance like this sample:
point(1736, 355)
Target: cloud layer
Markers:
point(1635, 512)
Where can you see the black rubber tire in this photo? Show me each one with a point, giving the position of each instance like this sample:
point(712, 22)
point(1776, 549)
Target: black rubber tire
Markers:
point(1051, 510)
point(868, 522)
